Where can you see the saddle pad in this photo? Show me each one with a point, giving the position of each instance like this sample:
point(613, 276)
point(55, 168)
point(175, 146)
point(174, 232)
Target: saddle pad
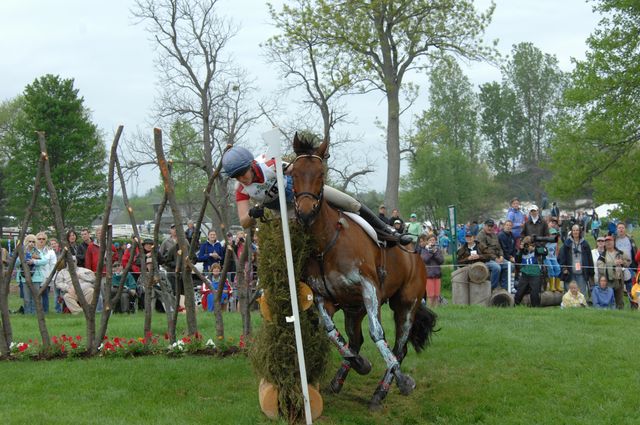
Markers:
point(364, 225)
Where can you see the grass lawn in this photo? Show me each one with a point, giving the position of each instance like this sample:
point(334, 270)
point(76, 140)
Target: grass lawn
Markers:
point(486, 366)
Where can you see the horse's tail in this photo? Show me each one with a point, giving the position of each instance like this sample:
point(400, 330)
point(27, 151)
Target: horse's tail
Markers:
point(423, 327)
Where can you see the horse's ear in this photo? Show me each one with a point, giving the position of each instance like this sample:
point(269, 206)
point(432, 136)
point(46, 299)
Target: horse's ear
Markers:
point(296, 143)
point(323, 149)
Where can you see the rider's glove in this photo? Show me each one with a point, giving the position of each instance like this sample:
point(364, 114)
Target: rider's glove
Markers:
point(256, 212)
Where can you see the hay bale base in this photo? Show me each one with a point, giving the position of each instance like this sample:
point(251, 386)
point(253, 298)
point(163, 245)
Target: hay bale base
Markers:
point(268, 398)
point(547, 299)
point(501, 298)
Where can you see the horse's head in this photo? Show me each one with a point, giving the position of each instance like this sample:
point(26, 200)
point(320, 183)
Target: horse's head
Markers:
point(307, 170)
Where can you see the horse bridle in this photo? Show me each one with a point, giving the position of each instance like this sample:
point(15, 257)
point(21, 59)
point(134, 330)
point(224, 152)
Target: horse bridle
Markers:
point(316, 197)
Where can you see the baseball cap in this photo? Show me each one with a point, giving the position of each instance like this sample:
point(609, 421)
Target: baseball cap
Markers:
point(413, 215)
point(489, 222)
point(468, 233)
point(382, 206)
point(608, 238)
point(147, 242)
point(397, 222)
point(533, 207)
point(600, 239)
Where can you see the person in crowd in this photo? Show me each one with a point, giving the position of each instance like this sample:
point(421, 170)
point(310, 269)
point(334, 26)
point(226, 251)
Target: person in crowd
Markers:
point(256, 180)
point(211, 251)
point(190, 231)
point(208, 296)
point(36, 265)
point(413, 228)
point(496, 263)
point(72, 243)
point(126, 303)
point(382, 214)
point(127, 258)
point(167, 245)
point(627, 245)
point(517, 219)
point(565, 227)
point(44, 251)
point(460, 235)
point(551, 262)
point(444, 241)
point(395, 215)
point(555, 211)
point(530, 270)
point(86, 278)
point(576, 261)
point(508, 245)
point(573, 297)
point(635, 294)
point(58, 301)
point(612, 266)
point(602, 296)
point(535, 225)
point(92, 255)
point(470, 252)
point(433, 258)
point(475, 228)
point(595, 225)
point(81, 251)
point(553, 224)
point(612, 227)
point(595, 254)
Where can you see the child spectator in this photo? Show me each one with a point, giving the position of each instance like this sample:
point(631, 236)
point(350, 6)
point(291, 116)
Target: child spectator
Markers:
point(433, 258)
point(573, 298)
point(602, 296)
point(208, 296)
point(635, 294)
point(553, 267)
point(128, 293)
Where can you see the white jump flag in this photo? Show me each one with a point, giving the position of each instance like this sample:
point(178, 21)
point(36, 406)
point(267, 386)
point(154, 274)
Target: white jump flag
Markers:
point(272, 138)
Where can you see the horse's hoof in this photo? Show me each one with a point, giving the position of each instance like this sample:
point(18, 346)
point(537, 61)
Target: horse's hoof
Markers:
point(375, 406)
point(335, 386)
point(360, 364)
point(406, 384)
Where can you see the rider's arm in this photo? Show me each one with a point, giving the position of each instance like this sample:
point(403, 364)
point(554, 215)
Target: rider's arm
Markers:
point(243, 213)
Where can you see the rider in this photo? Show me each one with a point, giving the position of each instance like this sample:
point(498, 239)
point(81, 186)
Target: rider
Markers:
point(257, 180)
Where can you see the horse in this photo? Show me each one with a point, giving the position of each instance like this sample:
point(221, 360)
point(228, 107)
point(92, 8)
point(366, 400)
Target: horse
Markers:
point(353, 273)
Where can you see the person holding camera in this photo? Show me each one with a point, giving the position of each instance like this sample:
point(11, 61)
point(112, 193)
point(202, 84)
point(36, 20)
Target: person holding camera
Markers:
point(432, 257)
point(530, 266)
point(576, 260)
point(613, 264)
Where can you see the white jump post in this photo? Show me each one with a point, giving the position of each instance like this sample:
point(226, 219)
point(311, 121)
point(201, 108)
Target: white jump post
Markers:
point(272, 138)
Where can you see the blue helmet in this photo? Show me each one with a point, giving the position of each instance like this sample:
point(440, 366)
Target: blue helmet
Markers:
point(236, 161)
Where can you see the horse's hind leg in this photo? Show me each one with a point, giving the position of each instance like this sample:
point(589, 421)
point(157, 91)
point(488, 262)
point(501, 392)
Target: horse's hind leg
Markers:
point(405, 383)
point(351, 358)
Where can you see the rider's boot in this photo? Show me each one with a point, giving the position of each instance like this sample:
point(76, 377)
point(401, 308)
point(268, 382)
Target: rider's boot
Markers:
point(383, 228)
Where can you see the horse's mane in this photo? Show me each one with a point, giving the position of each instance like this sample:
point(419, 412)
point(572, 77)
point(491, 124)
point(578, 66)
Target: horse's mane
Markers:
point(306, 144)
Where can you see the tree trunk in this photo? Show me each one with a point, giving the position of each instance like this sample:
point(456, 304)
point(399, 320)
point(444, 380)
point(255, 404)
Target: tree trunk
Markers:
point(192, 326)
point(244, 283)
point(393, 145)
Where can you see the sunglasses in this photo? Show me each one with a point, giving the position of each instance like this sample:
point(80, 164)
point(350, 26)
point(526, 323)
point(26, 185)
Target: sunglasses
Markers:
point(42, 239)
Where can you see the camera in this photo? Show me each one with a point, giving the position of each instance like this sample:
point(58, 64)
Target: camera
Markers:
point(545, 239)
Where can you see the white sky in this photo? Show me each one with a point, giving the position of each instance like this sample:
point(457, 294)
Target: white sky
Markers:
point(111, 59)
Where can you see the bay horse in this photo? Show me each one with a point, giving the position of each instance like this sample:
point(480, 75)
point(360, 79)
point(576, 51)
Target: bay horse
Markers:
point(353, 273)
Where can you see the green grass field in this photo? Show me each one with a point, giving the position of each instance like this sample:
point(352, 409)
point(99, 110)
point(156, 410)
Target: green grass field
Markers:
point(485, 366)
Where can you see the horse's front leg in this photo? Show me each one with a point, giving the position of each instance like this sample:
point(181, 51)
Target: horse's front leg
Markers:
point(351, 358)
point(406, 384)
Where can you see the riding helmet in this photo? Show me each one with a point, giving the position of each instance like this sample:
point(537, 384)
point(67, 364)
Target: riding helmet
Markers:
point(236, 161)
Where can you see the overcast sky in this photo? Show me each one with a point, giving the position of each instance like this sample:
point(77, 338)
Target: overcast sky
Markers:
point(111, 59)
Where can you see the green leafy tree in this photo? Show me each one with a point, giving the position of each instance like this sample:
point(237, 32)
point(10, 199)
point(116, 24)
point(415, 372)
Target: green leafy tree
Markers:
point(440, 177)
point(501, 125)
point(76, 154)
point(596, 148)
point(389, 38)
point(186, 148)
point(537, 81)
point(452, 118)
